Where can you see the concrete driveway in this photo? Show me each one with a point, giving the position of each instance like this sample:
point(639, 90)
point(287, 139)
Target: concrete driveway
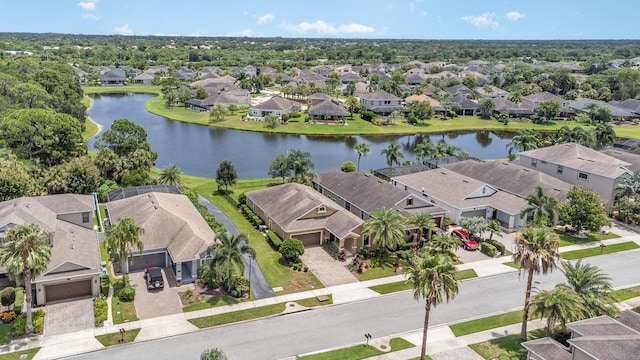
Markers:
point(327, 269)
point(68, 316)
point(154, 303)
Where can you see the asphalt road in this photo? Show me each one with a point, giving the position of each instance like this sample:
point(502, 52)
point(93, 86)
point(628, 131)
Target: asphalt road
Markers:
point(288, 335)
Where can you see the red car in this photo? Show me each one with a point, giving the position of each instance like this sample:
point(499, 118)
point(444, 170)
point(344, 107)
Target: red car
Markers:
point(466, 241)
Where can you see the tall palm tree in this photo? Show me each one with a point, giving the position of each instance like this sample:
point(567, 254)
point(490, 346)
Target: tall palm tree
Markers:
point(121, 238)
point(605, 136)
point(445, 244)
point(426, 150)
point(170, 175)
point(558, 306)
point(386, 227)
point(352, 103)
point(227, 255)
point(525, 139)
point(591, 285)
point(393, 154)
point(424, 222)
point(545, 208)
point(536, 251)
point(362, 149)
point(26, 254)
point(432, 277)
point(300, 162)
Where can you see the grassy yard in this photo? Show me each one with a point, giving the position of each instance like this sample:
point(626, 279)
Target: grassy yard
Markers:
point(402, 285)
point(20, 355)
point(312, 302)
point(357, 352)
point(507, 347)
point(211, 302)
point(122, 311)
point(566, 239)
point(377, 272)
point(626, 294)
point(114, 338)
point(487, 323)
point(579, 254)
point(242, 315)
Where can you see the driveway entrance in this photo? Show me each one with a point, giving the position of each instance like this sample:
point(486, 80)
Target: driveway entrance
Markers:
point(68, 316)
point(327, 269)
point(154, 303)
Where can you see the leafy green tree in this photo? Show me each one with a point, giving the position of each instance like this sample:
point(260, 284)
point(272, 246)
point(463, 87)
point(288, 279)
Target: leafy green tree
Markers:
point(170, 99)
point(433, 278)
point(291, 249)
point(124, 137)
point(545, 208)
point(393, 154)
point(226, 174)
point(227, 255)
point(271, 121)
point(604, 135)
point(487, 106)
point(26, 254)
point(422, 110)
point(536, 251)
point(423, 221)
point(362, 149)
point(79, 176)
point(299, 162)
point(386, 227)
point(494, 228)
point(629, 184)
point(558, 306)
point(279, 167)
point(122, 238)
point(8, 296)
point(213, 354)
point(42, 135)
point(170, 175)
point(217, 113)
point(201, 93)
point(549, 109)
point(592, 286)
point(348, 166)
point(30, 96)
point(476, 225)
point(445, 244)
point(584, 210)
point(352, 104)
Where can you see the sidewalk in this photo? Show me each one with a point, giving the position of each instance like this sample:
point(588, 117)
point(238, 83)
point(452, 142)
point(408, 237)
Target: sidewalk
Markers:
point(84, 341)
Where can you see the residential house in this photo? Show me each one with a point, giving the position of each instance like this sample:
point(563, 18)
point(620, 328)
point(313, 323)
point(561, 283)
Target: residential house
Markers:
point(458, 89)
point(491, 91)
point(317, 98)
point(361, 193)
point(74, 268)
point(350, 78)
point(628, 157)
point(462, 196)
point(311, 79)
point(144, 78)
point(328, 111)
point(298, 211)
point(583, 106)
point(533, 101)
point(467, 106)
point(415, 79)
point(597, 338)
point(579, 165)
point(249, 71)
point(630, 105)
point(381, 102)
point(276, 105)
point(113, 77)
point(80, 76)
point(514, 110)
point(175, 234)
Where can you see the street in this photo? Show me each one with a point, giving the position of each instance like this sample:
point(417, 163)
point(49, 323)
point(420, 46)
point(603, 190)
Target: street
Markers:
point(288, 335)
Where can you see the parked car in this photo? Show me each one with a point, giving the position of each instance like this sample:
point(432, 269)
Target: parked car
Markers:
point(153, 278)
point(465, 240)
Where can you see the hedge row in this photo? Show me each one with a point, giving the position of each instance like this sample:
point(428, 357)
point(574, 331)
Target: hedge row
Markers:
point(274, 240)
point(488, 249)
point(251, 216)
point(498, 245)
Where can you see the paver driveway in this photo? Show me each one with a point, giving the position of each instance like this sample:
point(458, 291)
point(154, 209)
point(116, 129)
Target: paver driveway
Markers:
point(327, 269)
point(68, 316)
point(154, 303)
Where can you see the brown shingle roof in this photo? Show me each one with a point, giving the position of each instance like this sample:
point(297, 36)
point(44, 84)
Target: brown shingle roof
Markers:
point(276, 103)
point(379, 95)
point(328, 107)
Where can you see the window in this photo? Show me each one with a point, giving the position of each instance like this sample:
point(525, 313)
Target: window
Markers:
point(322, 209)
point(583, 176)
point(534, 162)
point(409, 201)
point(85, 217)
point(366, 240)
point(362, 214)
point(320, 189)
point(560, 169)
point(347, 205)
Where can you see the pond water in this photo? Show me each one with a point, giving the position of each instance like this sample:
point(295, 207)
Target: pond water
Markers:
point(198, 149)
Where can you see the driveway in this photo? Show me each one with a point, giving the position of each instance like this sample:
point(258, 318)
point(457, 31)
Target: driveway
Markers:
point(68, 316)
point(154, 303)
point(327, 269)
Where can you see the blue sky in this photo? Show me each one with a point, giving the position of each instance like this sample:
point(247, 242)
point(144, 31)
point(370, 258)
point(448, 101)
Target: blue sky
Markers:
point(415, 19)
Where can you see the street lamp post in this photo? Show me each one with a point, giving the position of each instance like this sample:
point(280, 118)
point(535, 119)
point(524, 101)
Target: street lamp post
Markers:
point(250, 266)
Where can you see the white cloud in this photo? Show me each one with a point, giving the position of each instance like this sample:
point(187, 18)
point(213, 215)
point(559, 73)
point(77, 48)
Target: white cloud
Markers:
point(88, 5)
point(241, 33)
point(414, 9)
point(90, 16)
point(322, 27)
point(124, 30)
point(514, 15)
point(265, 18)
point(483, 20)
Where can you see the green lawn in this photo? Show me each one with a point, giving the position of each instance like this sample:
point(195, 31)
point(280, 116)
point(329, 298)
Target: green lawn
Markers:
point(357, 352)
point(579, 254)
point(466, 274)
point(566, 239)
point(115, 338)
point(248, 314)
point(626, 294)
point(213, 301)
point(402, 285)
point(487, 323)
point(377, 272)
point(5, 333)
point(507, 347)
point(122, 311)
point(312, 302)
point(20, 355)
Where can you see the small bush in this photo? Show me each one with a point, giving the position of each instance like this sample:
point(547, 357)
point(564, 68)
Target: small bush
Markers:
point(404, 254)
point(242, 199)
point(367, 115)
point(100, 310)
point(7, 317)
point(8, 296)
point(187, 294)
point(274, 239)
point(127, 294)
point(488, 249)
point(498, 245)
point(104, 285)
point(20, 324)
point(291, 249)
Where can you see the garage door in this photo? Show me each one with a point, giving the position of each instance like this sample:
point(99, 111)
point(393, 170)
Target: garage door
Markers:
point(68, 290)
point(477, 213)
point(144, 261)
point(311, 239)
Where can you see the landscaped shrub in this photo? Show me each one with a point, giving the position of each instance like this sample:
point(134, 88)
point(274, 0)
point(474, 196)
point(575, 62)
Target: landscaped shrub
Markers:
point(100, 309)
point(488, 249)
point(127, 294)
point(240, 284)
point(367, 115)
point(104, 285)
point(404, 254)
point(498, 245)
point(20, 324)
point(38, 320)
point(291, 249)
point(242, 199)
point(7, 316)
point(8, 296)
point(274, 239)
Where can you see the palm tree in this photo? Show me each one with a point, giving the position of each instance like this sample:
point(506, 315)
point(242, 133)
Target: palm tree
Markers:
point(494, 228)
point(388, 227)
point(352, 103)
point(26, 253)
point(228, 255)
point(545, 208)
point(432, 277)
point(605, 136)
point(362, 149)
point(536, 251)
point(445, 244)
point(558, 306)
point(525, 139)
point(426, 150)
point(300, 162)
point(630, 184)
point(170, 175)
point(393, 154)
point(121, 238)
point(591, 285)
point(424, 222)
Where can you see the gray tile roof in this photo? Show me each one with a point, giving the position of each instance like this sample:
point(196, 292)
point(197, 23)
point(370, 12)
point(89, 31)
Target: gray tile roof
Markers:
point(547, 349)
point(631, 319)
point(379, 95)
point(576, 156)
point(631, 158)
point(319, 96)
point(542, 96)
point(328, 107)
point(276, 103)
point(511, 177)
point(609, 347)
point(287, 204)
point(169, 221)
